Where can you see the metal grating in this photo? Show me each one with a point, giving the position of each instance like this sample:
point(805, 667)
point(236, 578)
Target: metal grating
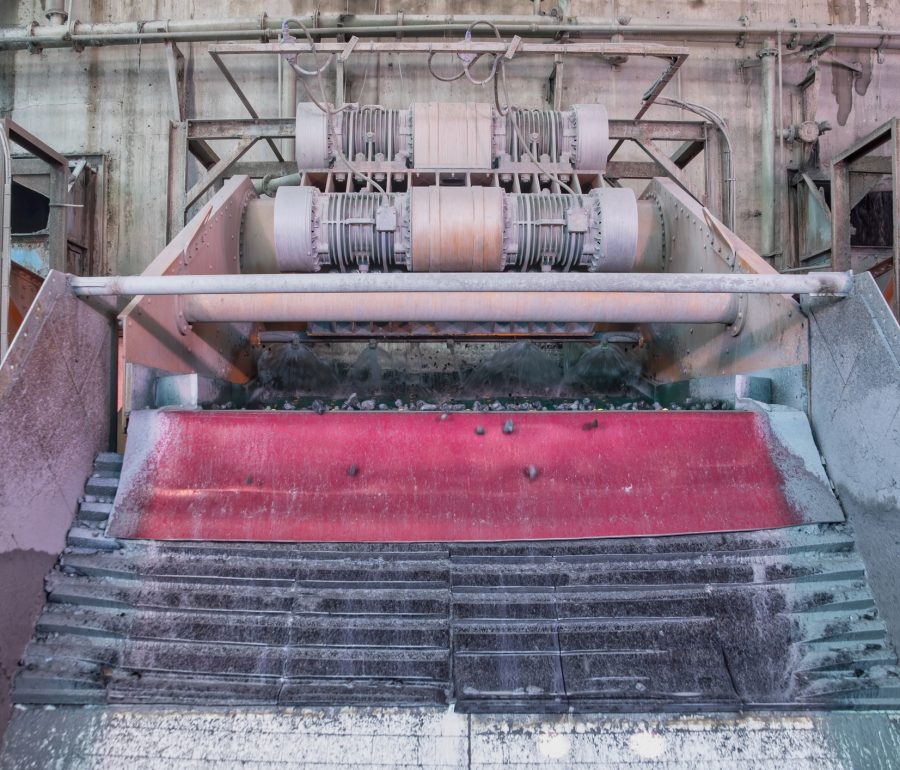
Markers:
point(765, 619)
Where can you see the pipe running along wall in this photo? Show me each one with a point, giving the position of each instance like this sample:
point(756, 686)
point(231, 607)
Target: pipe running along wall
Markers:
point(444, 229)
point(79, 34)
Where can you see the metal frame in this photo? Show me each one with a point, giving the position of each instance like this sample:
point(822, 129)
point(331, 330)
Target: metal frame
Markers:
point(193, 136)
point(155, 332)
point(58, 166)
point(31, 172)
point(56, 222)
point(675, 56)
point(853, 173)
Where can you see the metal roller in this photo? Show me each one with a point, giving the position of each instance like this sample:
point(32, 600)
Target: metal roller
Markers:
point(459, 136)
point(371, 132)
point(455, 229)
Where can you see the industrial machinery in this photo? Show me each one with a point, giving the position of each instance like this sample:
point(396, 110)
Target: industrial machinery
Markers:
point(454, 136)
point(492, 433)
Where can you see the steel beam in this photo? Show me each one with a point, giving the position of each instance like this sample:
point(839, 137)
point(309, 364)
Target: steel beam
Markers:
point(240, 94)
point(895, 209)
point(713, 172)
point(840, 216)
point(820, 283)
point(282, 128)
point(177, 179)
point(671, 168)
point(217, 171)
point(175, 64)
point(28, 141)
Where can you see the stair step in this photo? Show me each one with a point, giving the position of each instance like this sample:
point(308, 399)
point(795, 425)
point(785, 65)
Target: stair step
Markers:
point(83, 537)
point(110, 461)
point(92, 510)
point(102, 486)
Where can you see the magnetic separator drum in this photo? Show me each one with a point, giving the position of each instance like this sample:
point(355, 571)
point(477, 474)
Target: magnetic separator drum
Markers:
point(455, 229)
point(460, 136)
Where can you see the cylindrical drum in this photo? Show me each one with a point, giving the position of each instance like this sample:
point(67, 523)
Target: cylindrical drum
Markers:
point(456, 229)
point(432, 135)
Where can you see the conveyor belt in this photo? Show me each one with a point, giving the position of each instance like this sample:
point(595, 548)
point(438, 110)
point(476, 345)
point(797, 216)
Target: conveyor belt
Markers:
point(778, 618)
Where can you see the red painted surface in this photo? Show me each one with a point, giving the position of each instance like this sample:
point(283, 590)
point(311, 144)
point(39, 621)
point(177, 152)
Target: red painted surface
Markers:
point(270, 476)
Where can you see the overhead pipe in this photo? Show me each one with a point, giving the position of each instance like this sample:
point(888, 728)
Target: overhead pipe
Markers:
point(55, 12)
point(540, 284)
point(287, 92)
point(767, 55)
point(5, 243)
point(330, 24)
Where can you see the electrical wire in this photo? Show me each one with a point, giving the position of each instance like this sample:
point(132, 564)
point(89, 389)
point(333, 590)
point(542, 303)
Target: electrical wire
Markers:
point(719, 123)
point(329, 110)
point(499, 78)
point(496, 74)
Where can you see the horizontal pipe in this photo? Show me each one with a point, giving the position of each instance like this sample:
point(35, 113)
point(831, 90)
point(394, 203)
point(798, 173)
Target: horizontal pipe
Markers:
point(824, 283)
point(330, 24)
point(458, 307)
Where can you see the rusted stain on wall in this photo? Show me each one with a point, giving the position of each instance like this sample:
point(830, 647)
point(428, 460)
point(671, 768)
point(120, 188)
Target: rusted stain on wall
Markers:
point(843, 80)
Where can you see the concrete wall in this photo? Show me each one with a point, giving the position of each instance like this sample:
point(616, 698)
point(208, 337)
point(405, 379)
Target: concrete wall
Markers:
point(116, 100)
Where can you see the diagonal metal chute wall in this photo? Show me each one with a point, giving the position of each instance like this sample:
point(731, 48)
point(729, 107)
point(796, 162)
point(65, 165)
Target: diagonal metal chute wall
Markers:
point(56, 387)
point(855, 413)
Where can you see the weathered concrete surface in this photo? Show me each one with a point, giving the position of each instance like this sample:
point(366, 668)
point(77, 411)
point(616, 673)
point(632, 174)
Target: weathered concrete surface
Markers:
point(151, 739)
point(855, 414)
point(116, 100)
point(55, 395)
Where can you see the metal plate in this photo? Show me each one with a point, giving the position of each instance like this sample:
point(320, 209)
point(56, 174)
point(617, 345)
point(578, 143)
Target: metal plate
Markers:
point(418, 476)
point(693, 623)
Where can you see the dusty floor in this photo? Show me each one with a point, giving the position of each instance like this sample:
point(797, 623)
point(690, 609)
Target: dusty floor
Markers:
point(147, 739)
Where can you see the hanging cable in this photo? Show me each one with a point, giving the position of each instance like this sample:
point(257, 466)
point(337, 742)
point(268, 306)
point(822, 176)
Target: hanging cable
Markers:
point(329, 109)
point(497, 75)
point(719, 123)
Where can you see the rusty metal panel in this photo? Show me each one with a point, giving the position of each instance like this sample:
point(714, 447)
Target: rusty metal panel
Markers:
point(771, 331)
point(23, 288)
point(449, 135)
point(155, 332)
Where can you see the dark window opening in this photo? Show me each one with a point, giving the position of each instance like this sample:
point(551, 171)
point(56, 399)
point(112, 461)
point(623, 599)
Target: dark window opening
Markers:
point(29, 210)
point(872, 220)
